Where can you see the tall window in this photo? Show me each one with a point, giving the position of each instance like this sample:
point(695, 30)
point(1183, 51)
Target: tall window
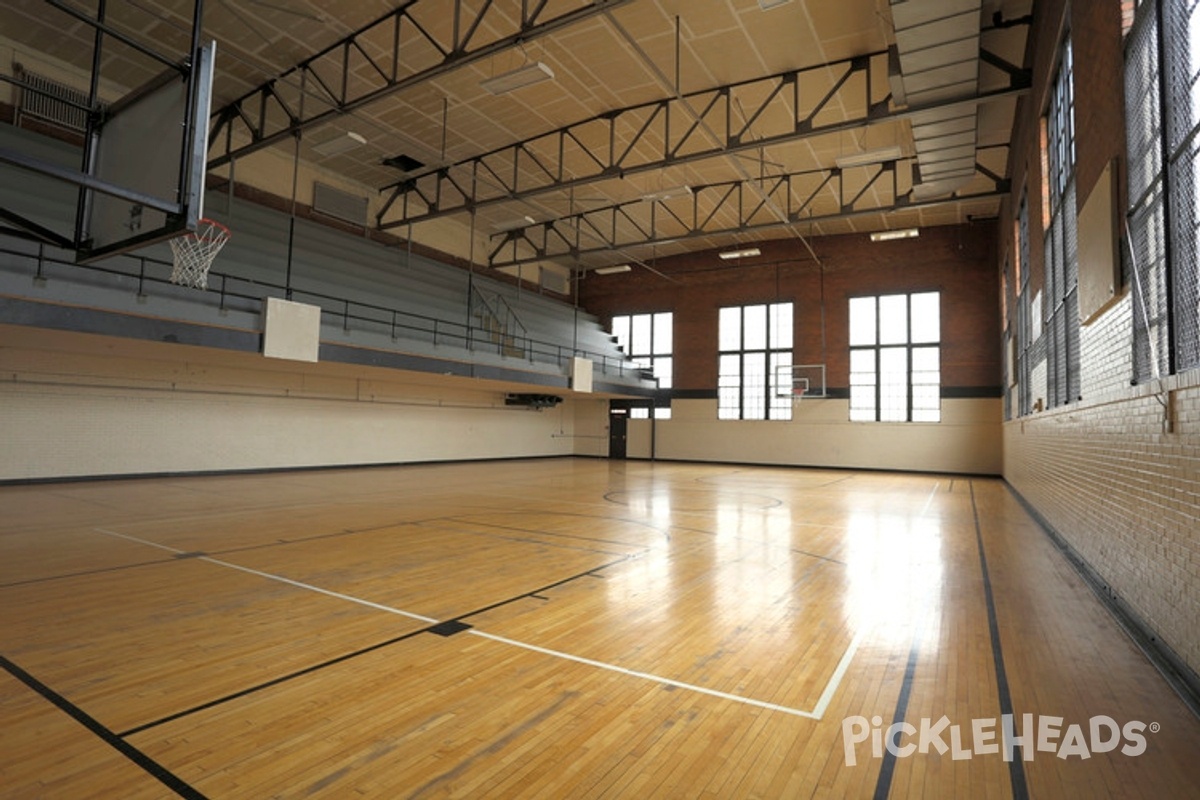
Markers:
point(647, 340)
point(1061, 295)
point(895, 358)
point(1162, 106)
point(1026, 334)
point(755, 360)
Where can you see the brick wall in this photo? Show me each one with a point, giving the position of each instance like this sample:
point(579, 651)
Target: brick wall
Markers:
point(1117, 473)
point(958, 261)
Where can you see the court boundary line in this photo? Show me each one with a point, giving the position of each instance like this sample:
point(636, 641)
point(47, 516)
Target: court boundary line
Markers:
point(101, 731)
point(1018, 782)
point(818, 711)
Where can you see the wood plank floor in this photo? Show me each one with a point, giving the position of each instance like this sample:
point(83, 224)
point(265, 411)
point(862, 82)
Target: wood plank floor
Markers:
point(562, 628)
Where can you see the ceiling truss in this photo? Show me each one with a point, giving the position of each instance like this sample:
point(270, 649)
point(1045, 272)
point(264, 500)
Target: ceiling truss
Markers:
point(811, 196)
point(373, 62)
point(786, 107)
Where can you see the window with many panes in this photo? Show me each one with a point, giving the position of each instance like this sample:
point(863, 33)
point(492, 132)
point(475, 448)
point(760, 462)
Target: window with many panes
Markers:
point(1162, 107)
point(1026, 334)
point(647, 340)
point(1061, 293)
point(895, 358)
point(755, 362)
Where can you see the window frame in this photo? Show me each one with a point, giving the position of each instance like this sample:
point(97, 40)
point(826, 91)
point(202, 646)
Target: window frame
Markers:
point(774, 407)
point(909, 346)
point(659, 361)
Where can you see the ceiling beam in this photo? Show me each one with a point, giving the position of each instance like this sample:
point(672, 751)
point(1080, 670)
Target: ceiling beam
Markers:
point(675, 130)
point(805, 197)
point(353, 71)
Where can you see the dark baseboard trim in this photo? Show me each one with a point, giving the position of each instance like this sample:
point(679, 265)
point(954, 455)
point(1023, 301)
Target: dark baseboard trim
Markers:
point(1182, 678)
point(828, 468)
point(211, 473)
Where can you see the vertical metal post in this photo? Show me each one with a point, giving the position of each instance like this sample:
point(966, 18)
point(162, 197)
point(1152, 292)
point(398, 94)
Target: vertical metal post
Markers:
point(90, 133)
point(291, 243)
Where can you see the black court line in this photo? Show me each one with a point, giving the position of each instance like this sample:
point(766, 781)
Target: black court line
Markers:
point(1016, 767)
point(466, 520)
point(436, 628)
point(276, 681)
point(716, 481)
point(86, 572)
point(152, 767)
point(775, 501)
point(883, 784)
point(535, 532)
point(542, 589)
point(795, 550)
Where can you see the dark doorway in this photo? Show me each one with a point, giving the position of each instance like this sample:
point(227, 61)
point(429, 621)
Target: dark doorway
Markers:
point(618, 419)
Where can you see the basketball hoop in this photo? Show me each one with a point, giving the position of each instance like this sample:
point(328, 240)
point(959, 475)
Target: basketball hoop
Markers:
point(195, 252)
point(798, 394)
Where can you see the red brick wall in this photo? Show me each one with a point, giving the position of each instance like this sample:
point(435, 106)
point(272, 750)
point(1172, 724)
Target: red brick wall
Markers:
point(1114, 473)
point(958, 261)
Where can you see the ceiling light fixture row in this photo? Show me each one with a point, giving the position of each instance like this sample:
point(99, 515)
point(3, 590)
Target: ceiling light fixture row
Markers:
point(749, 252)
point(667, 194)
point(522, 76)
point(903, 233)
point(342, 143)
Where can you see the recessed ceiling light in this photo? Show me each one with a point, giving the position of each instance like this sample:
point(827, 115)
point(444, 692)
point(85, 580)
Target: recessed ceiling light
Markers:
point(667, 194)
point(341, 143)
point(887, 236)
point(749, 252)
point(518, 78)
point(514, 224)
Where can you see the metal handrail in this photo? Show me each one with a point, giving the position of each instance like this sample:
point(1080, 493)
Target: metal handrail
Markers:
point(394, 320)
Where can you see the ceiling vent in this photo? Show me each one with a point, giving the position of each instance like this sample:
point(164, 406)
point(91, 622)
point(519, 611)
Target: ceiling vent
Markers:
point(937, 42)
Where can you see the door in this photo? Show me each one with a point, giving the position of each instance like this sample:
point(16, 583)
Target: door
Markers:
point(618, 419)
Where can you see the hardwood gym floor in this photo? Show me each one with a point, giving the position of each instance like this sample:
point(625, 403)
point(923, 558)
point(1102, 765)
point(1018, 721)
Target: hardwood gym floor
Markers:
point(560, 628)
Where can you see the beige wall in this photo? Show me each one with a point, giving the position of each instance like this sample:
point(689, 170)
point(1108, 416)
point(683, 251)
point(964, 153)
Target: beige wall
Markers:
point(79, 405)
point(1119, 479)
point(967, 440)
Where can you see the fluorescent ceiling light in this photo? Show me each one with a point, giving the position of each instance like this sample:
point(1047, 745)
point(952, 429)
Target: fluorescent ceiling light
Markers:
point(904, 233)
point(667, 194)
point(612, 270)
point(749, 252)
point(514, 224)
point(520, 77)
point(340, 144)
point(767, 5)
point(869, 157)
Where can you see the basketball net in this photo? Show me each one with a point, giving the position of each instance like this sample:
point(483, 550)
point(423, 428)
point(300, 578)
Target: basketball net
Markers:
point(195, 252)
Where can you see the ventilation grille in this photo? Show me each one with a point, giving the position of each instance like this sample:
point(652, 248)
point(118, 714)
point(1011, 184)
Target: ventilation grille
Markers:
point(338, 204)
point(51, 101)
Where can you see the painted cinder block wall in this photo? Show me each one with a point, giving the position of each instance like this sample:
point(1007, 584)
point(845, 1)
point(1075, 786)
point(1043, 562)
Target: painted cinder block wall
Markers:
point(1116, 479)
point(957, 260)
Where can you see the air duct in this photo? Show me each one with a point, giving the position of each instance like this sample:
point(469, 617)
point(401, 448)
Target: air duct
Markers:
point(937, 44)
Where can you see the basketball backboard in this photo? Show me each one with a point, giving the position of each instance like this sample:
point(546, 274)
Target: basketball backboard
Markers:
point(153, 144)
point(801, 381)
point(143, 111)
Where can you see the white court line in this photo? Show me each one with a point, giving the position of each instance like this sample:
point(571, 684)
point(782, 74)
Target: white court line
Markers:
point(932, 492)
point(280, 578)
point(835, 679)
point(815, 714)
